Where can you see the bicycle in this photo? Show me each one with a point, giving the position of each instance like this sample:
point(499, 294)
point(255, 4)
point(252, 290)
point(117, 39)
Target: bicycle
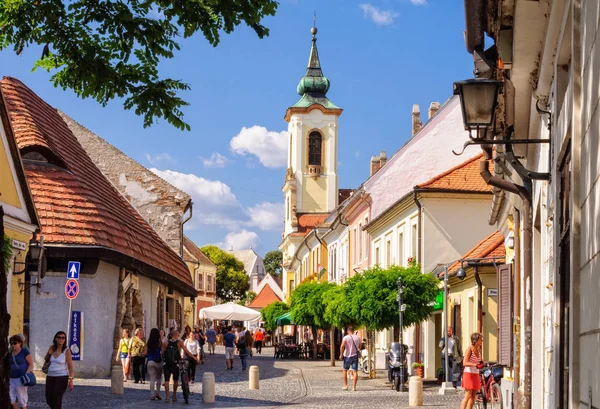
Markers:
point(183, 379)
point(490, 389)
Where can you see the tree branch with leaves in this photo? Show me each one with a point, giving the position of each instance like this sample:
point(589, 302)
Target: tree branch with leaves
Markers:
point(112, 49)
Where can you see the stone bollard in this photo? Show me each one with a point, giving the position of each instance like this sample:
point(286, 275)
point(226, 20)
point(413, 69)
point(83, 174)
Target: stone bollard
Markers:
point(415, 391)
point(254, 377)
point(116, 380)
point(208, 387)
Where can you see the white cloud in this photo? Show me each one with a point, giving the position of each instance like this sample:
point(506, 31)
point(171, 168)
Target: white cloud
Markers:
point(418, 2)
point(159, 158)
point(216, 160)
point(214, 202)
point(240, 240)
point(266, 216)
point(269, 147)
point(379, 17)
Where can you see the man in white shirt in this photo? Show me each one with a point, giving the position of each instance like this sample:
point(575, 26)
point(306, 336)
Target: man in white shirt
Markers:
point(349, 351)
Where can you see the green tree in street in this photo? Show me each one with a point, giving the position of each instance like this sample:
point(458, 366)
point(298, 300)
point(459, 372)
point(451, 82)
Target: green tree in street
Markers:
point(112, 49)
point(273, 260)
point(5, 254)
point(373, 298)
point(271, 312)
point(232, 281)
point(308, 307)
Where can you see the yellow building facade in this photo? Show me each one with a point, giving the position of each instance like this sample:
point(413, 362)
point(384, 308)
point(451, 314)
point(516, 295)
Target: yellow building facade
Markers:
point(20, 223)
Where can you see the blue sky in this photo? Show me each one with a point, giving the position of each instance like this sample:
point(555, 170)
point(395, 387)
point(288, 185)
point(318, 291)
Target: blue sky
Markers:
point(381, 58)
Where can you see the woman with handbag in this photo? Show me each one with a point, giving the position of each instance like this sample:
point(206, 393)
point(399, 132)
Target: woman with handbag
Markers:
point(60, 371)
point(137, 356)
point(21, 364)
point(154, 350)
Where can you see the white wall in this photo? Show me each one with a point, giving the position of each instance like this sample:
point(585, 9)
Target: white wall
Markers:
point(97, 299)
point(452, 227)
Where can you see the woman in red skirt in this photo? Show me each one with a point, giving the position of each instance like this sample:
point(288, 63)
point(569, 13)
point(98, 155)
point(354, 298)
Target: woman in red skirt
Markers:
point(472, 362)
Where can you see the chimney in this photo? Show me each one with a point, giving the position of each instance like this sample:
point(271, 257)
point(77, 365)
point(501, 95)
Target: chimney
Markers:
point(433, 109)
point(416, 119)
point(377, 162)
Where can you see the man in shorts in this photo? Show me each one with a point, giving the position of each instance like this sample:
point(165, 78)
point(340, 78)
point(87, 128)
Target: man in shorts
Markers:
point(229, 341)
point(349, 351)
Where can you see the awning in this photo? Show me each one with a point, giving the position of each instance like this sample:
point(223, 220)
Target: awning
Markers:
point(229, 311)
point(285, 319)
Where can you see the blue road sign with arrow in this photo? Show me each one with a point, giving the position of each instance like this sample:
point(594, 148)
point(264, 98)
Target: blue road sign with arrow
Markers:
point(73, 270)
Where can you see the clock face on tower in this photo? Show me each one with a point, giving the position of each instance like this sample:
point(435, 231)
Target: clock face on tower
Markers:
point(316, 116)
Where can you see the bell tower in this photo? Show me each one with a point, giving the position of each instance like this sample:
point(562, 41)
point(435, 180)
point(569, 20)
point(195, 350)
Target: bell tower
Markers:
point(311, 181)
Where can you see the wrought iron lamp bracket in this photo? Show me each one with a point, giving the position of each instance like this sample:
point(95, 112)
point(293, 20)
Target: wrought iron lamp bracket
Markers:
point(510, 156)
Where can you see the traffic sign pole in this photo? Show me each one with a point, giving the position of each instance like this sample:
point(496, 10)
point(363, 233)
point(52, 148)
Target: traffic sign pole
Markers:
point(69, 321)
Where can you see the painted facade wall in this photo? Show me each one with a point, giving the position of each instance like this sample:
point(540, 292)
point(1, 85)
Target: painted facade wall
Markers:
point(360, 241)
point(97, 299)
point(452, 225)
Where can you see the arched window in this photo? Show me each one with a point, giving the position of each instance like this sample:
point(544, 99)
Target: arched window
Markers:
point(314, 148)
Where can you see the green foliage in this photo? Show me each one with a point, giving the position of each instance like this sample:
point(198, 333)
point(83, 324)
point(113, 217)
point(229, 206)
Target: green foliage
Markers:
point(112, 49)
point(337, 306)
point(232, 281)
point(373, 296)
point(308, 306)
point(271, 312)
point(273, 260)
point(248, 298)
point(6, 253)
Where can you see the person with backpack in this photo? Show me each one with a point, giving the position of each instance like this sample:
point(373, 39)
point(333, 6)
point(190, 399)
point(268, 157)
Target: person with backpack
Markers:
point(171, 365)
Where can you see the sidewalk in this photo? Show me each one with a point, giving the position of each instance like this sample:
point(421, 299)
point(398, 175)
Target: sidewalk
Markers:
point(302, 384)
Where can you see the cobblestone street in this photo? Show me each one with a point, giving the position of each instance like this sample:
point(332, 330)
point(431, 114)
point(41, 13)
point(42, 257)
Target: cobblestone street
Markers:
point(301, 384)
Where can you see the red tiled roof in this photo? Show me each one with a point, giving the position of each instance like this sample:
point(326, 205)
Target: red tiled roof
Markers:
point(308, 221)
point(196, 252)
point(462, 178)
point(264, 298)
point(491, 246)
point(78, 205)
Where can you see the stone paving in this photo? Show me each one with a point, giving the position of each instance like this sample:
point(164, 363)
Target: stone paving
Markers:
point(298, 384)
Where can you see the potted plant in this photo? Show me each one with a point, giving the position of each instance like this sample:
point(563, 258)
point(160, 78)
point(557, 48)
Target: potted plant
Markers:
point(419, 369)
point(439, 374)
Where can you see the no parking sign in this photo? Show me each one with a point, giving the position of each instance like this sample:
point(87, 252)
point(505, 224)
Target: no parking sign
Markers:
point(71, 289)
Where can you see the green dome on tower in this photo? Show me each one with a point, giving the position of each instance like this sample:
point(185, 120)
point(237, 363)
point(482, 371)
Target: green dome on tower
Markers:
point(314, 85)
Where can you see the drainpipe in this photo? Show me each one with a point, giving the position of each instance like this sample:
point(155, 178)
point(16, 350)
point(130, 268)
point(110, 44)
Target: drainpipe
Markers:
point(475, 18)
point(479, 299)
point(419, 259)
point(189, 206)
point(517, 305)
point(524, 193)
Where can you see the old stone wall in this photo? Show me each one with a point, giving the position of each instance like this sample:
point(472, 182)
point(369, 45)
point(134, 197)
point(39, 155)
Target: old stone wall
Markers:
point(159, 203)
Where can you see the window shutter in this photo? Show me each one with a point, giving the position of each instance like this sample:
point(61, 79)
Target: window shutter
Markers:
point(505, 315)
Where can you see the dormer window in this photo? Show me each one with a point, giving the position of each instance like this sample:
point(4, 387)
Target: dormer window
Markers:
point(41, 154)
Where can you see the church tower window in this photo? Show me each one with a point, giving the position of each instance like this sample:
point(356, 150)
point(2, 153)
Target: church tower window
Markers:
point(314, 148)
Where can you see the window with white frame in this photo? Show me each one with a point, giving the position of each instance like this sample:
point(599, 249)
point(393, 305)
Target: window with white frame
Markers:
point(413, 253)
point(401, 260)
point(200, 283)
point(377, 255)
point(355, 246)
point(209, 282)
point(388, 252)
point(360, 243)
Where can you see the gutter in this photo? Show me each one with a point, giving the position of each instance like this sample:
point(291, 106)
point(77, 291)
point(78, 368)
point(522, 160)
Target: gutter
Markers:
point(475, 16)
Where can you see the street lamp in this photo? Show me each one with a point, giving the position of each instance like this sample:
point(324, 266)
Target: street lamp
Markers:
point(401, 308)
point(478, 101)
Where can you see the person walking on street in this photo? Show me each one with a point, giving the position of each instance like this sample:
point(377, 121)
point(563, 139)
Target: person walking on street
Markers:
point(201, 338)
point(229, 341)
point(124, 353)
point(349, 351)
point(472, 362)
point(172, 357)
point(137, 356)
point(21, 363)
point(60, 371)
point(154, 350)
point(454, 355)
point(211, 338)
point(259, 336)
point(194, 347)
